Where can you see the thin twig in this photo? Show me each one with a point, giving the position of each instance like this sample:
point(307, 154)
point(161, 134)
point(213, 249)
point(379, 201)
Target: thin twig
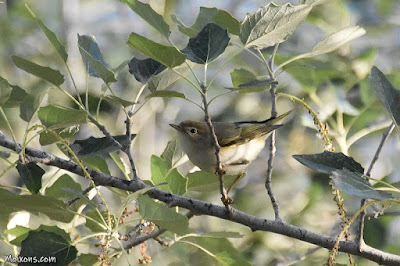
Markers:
point(272, 150)
point(219, 171)
point(360, 232)
point(83, 193)
point(127, 147)
point(272, 147)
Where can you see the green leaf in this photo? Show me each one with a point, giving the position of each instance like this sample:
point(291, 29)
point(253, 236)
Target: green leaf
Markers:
point(53, 208)
point(95, 227)
point(98, 146)
point(271, 24)
point(387, 93)
point(166, 94)
point(118, 101)
point(327, 162)
point(170, 151)
point(50, 245)
point(355, 184)
point(336, 40)
point(58, 117)
point(162, 216)
point(20, 234)
point(205, 16)
point(30, 105)
point(227, 21)
point(5, 91)
point(46, 73)
point(144, 70)
point(254, 86)
point(52, 37)
point(96, 163)
point(166, 55)
point(149, 15)
point(159, 170)
point(87, 259)
point(241, 76)
point(94, 62)
point(222, 234)
point(122, 165)
point(206, 46)
point(220, 249)
point(57, 189)
point(31, 175)
point(176, 182)
point(182, 28)
point(47, 137)
point(205, 182)
point(16, 96)
point(165, 79)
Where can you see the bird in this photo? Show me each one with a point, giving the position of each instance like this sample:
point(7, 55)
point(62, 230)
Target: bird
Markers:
point(240, 143)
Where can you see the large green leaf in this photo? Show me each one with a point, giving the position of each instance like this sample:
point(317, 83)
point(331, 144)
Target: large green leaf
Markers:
point(94, 61)
point(336, 40)
point(5, 91)
point(271, 24)
point(53, 208)
point(168, 77)
point(205, 182)
point(149, 15)
point(57, 117)
point(387, 93)
point(96, 163)
point(355, 184)
point(31, 175)
point(57, 190)
point(10, 95)
point(170, 151)
point(159, 170)
point(47, 137)
point(327, 162)
point(30, 104)
point(241, 76)
point(166, 55)
point(166, 178)
point(46, 73)
point(206, 46)
point(44, 244)
point(144, 70)
point(227, 21)
point(220, 249)
point(52, 37)
point(167, 94)
point(159, 214)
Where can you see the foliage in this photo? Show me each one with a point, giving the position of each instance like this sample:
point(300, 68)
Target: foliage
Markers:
point(326, 76)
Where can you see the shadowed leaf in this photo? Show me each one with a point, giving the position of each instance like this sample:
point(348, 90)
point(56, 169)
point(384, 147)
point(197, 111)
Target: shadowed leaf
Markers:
point(327, 162)
point(206, 46)
point(31, 175)
point(144, 70)
point(387, 93)
point(355, 184)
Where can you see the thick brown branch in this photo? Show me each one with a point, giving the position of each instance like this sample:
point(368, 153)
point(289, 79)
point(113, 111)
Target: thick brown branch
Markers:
point(199, 207)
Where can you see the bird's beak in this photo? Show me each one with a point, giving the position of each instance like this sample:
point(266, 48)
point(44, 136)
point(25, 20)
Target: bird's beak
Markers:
point(177, 127)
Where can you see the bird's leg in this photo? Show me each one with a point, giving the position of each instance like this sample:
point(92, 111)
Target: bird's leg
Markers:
point(237, 179)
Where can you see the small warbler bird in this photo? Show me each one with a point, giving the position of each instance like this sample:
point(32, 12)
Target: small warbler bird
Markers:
point(240, 143)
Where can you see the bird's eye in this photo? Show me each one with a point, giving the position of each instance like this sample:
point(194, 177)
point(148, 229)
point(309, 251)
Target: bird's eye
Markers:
point(193, 130)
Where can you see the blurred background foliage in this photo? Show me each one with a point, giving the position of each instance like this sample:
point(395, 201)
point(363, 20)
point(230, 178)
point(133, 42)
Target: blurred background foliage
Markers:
point(333, 84)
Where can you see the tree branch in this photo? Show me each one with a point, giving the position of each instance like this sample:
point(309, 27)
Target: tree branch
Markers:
point(199, 207)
